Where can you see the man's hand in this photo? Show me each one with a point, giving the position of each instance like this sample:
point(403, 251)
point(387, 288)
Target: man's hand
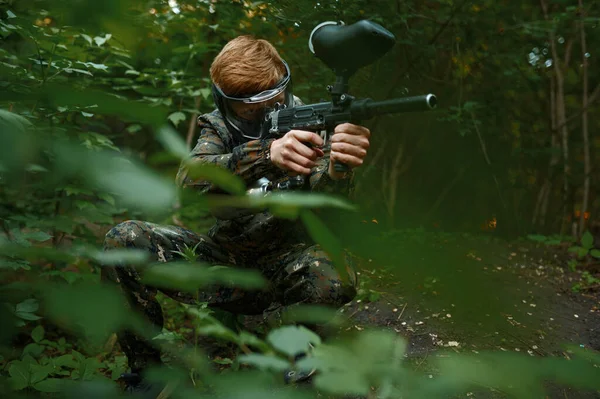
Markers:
point(291, 154)
point(349, 145)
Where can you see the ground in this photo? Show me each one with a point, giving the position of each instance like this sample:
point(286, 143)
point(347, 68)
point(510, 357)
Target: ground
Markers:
point(491, 295)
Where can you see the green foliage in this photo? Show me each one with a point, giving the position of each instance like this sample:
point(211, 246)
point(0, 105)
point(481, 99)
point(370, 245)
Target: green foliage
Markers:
point(95, 102)
point(550, 240)
point(586, 248)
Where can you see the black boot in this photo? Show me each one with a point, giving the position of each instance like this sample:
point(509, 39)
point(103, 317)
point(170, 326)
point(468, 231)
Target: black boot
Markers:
point(141, 388)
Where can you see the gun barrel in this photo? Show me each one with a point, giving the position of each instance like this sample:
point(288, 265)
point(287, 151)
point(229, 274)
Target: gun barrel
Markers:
point(371, 108)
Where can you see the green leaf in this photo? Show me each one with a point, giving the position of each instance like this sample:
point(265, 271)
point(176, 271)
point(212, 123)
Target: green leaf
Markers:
point(264, 362)
point(587, 241)
point(107, 197)
point(86, 37)
point(223, 361)
point(20, 374)
point(574, 249)
point(220, 176)
point(38, 333)
point(121, 256)
point(595, 253)
point(104, 103)
point(93, 65)
point(206, 93)
point(284, 204)
point(87, 368)
point(321, 234)
point(33, 349)
point(39, 372)
point(16, 265)
point(49, 385)
point(245, 338)
point(28, 305)
point(65, 361)
point(177, 117)
point(94, 311)
point(293, 340)
point(314, 314)
point(35, 168)
point(218, 330)
point(38, 236)
point(343, 382)
point(171, 141)
point(134, 128)
point(99, 40)
point(27, 316)
point(582, 252)
point(190, 277)
point(135, 185)
point(537, 237)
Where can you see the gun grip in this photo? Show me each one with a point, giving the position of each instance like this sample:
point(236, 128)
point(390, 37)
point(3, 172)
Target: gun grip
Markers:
point(340, 167)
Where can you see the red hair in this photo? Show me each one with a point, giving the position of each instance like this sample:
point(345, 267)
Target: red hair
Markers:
point(247, 66)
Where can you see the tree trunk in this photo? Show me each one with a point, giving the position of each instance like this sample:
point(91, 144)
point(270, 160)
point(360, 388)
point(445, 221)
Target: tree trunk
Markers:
point(584, 128)
point(561, 117)
point(539, 214)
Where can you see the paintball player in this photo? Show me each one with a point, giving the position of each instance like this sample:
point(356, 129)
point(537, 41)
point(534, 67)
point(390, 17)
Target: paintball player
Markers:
point(249, 77)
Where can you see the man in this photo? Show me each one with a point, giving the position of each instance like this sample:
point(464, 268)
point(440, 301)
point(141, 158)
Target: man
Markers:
point(249, 77)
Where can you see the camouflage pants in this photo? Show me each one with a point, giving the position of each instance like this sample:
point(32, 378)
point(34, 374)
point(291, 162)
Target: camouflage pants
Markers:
point(298, 273)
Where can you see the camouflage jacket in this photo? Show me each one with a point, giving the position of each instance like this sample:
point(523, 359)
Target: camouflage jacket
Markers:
point(256, 232)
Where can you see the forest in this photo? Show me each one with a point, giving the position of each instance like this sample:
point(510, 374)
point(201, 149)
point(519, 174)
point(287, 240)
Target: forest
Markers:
point(475, 226)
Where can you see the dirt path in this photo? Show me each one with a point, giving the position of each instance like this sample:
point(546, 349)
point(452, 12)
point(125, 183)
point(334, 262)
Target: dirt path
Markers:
point(471, 295)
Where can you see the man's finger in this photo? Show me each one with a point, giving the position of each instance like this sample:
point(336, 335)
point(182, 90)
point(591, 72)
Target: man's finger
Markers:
point(349, 149)
point(300, 160)
point(360, 141)
point(349, 160)
point(307, 137)
point(304, 150)
point(352, 129)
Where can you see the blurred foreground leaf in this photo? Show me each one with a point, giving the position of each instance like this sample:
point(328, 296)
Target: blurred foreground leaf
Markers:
point(105, 103)
point(171, 141)
point(255, 385)
point(328, 241)
point(516, 374)
point(221, 177)
point(190, 277)
point(283, 204)
point(313, 314)
point(353, 365)
point(87, 309)
point(293, 340)
point(135, 185)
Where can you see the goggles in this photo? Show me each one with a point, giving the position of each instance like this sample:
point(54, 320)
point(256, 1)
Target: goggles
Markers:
point(250, 123)
point(264, 95)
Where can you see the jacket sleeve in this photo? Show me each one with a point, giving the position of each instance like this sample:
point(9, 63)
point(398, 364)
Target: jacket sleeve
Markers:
point(250, 160)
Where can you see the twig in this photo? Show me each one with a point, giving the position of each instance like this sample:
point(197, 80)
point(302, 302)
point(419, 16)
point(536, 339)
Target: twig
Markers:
point(590, 102)
point(193, 124)
point(487, 159)
point(591, 287)
point(402, 312)
point(167, 391)
point(422, 361)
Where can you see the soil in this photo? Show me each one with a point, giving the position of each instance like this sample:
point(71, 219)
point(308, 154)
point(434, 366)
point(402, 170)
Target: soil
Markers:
point(487, 296)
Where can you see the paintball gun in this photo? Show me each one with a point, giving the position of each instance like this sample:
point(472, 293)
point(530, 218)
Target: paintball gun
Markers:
point(344, 49)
